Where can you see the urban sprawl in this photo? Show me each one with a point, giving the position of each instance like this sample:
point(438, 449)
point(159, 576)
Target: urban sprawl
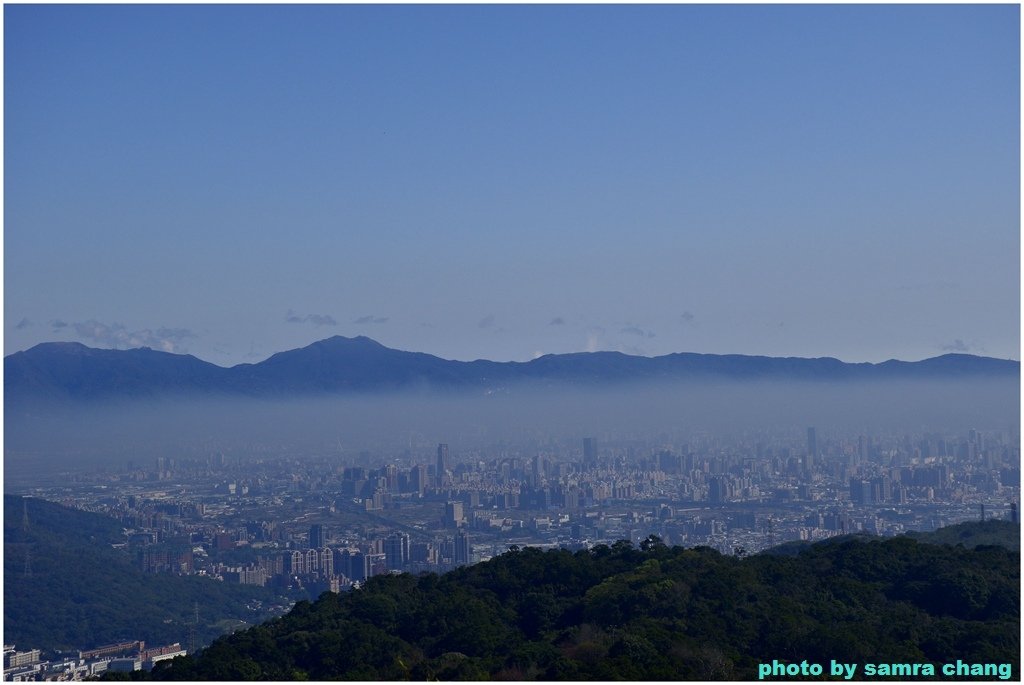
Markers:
point(308, 524)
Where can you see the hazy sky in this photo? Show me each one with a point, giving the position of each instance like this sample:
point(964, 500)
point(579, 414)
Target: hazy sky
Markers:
point(498, 182)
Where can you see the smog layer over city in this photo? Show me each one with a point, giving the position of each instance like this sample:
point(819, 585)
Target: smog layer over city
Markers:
point(512, 342)
point(382, 426)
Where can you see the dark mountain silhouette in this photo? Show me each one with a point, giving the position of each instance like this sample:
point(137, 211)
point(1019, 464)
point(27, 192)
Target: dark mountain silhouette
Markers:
point(72, 372)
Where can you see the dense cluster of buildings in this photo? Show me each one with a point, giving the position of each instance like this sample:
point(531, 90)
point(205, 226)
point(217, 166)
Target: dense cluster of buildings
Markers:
point(321, 566)
point(81, 665)
point(320, 524)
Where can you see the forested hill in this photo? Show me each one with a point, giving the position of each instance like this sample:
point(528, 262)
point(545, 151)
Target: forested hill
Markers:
point(970, 534)
point(77, 591)
point(974, 533)
point(655, 613)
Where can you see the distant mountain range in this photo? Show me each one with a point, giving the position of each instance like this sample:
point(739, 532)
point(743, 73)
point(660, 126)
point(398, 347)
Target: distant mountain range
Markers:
point(72, 372)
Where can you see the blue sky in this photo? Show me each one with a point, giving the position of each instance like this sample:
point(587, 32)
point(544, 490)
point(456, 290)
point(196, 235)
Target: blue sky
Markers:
point(503, 181)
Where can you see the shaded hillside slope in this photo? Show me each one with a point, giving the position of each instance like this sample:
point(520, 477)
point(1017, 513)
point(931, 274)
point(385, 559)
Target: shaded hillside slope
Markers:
point(81, 592)
point(974, 533)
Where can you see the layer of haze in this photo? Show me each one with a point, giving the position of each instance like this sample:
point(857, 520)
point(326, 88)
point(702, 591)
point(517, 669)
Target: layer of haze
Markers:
point(526, 421)
point(504, 181)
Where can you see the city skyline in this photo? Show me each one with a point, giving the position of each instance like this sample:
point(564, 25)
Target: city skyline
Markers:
point(504, 182)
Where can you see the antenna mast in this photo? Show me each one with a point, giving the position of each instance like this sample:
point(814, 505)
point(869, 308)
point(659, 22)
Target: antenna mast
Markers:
point(193, 629)
point(28, 545)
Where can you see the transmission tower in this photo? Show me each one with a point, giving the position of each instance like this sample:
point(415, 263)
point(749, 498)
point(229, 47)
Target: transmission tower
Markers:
point(193, 629)
point(25, 530)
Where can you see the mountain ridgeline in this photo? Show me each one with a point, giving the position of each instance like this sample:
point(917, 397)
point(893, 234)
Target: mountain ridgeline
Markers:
point(654, 613)
point(72, 372)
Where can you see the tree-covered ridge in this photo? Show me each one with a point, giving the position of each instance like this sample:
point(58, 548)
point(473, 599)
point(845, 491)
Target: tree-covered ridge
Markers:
point(655, 613)
point(974, 533)
point(80, 592)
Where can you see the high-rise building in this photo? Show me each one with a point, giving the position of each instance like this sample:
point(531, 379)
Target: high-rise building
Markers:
point(812, 443)
point(861, 492)
point(462, 548)
point(422, 552)
point(326, 562)
point(376, 564)
point(295, 563)
point(881, 490)
point(668, 462)
point(863, 449)
point(317, 536)
point(443, 465)
point(312, 561)
point(418, 478)
point(573, 498)
point(396, 551)
point(452, 515)
point(358, 566)
point(536, 470)
point(719, 489)
point(589, 453)
point(350, 563)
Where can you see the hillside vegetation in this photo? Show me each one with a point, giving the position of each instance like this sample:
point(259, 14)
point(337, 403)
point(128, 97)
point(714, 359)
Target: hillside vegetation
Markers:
point(654, 613)
point(974, 533)
point(81, 592)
